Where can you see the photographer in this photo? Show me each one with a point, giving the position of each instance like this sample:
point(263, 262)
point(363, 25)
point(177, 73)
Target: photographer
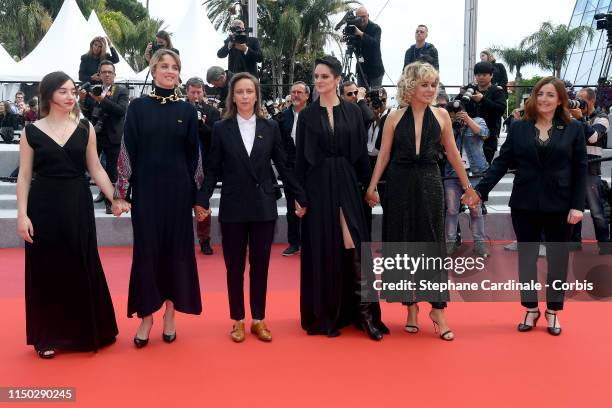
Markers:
point(90, 62)
point(486, 101)
point(350, 93)
point(219, 79)
point(470, 134)
point(105, 106)
point(377, 102)
point(207, 116)
point(162, 40)
point(243, 52)
point(596, 127)
point(366, 36)
point(421, 50)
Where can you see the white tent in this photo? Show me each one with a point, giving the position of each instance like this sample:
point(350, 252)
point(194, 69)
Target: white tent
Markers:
point(197, 41)
point(123, 69)
point(6, 61)
point(59, 50)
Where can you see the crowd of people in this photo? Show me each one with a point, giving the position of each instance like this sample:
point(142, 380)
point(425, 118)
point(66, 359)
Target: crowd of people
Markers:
point(331, 147)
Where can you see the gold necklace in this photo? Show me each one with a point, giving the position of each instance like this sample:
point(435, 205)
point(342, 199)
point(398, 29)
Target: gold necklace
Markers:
point(61, 138)
point(172, 98)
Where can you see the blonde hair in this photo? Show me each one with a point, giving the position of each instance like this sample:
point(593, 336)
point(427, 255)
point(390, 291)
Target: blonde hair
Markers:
point(410, 78)
point(103, 51)
point(159, 54)
point(489, 54)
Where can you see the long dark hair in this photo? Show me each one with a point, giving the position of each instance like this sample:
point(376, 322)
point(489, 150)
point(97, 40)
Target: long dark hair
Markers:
point(562, 111)
point(49, 84)
point(166, 37)
point(232, 109)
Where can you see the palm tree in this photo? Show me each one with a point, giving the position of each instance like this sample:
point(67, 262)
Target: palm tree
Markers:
point(516, 58)
point(27, 20)
point(289, 30)
point(552, 44)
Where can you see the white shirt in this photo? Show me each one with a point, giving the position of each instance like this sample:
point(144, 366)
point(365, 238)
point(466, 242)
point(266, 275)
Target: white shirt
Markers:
point(294, 128)
point(373, 133)
point(247, 131)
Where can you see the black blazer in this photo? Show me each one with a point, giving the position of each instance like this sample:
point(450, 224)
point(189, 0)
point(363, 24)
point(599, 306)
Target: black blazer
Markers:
point(248, 192)
point(286, 126)
point(90, 65)
point(557, 183)
point(113, 110)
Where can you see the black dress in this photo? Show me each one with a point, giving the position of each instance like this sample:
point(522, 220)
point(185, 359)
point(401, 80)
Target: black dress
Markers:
point(160, 171)
point(331, 165)
point(414, 202)
point(68, 306)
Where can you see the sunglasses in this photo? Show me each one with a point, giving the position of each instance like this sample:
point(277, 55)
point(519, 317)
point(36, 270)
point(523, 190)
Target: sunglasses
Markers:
point(353, 93)
point(420, 32)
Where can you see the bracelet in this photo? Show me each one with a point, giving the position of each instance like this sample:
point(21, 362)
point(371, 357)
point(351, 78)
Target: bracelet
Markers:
point(469, 186)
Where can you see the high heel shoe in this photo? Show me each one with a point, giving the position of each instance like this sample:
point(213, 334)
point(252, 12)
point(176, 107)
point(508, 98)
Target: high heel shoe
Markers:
point(168, 338)
point(140, 343)
point(524, 327)
point(366, 322)
point(410, 328)
point(553, 331)
point(447, 335)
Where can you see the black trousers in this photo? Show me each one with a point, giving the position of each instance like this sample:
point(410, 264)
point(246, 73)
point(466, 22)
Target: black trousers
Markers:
point(528, 227)
point(236, 236)
point(111, 152)
point(293, 221)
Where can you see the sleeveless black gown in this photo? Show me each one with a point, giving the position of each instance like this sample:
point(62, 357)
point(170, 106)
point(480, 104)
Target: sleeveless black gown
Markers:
point(68, 305)
point(414, 204)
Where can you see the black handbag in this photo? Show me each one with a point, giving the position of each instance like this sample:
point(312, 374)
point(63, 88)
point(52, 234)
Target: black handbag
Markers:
point(7, 133)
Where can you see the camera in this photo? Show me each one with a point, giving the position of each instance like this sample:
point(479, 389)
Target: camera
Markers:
point(376, 98)
point(239, 35)
point(468, 93)
point(455, 106)
point(577, 104)
point(94, 89)
point(350, 21)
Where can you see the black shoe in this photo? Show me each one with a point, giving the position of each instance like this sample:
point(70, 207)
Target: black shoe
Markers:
point(169, 338)
point(553, 330)
point(99, 198)
point(140, 343)
point(292, 250)
point(46, 354)
point(483, 208)
point(367, 324)
point(523, 327)
point(109, 207)
point(205, 247)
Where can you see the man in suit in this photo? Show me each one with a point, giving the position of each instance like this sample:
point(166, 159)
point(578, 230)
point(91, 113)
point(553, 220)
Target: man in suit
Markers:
point(106, 111)
point(243, 146)
point(243, 52)
point(207, 116)
point(288, 125)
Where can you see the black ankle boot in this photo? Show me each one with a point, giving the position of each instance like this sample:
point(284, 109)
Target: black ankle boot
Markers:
point(367, 323)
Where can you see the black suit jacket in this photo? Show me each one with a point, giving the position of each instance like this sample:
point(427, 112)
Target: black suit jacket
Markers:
point(238, 61)
point(557, 183)
point(286, 126)
point(248, 192)
point(113, 110)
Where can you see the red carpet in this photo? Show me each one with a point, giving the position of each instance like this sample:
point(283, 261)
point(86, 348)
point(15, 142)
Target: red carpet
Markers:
point(489, 364)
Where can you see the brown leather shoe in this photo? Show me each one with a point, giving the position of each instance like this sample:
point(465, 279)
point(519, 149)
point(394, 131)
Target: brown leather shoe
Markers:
point(237, 333)
point(261, 331)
